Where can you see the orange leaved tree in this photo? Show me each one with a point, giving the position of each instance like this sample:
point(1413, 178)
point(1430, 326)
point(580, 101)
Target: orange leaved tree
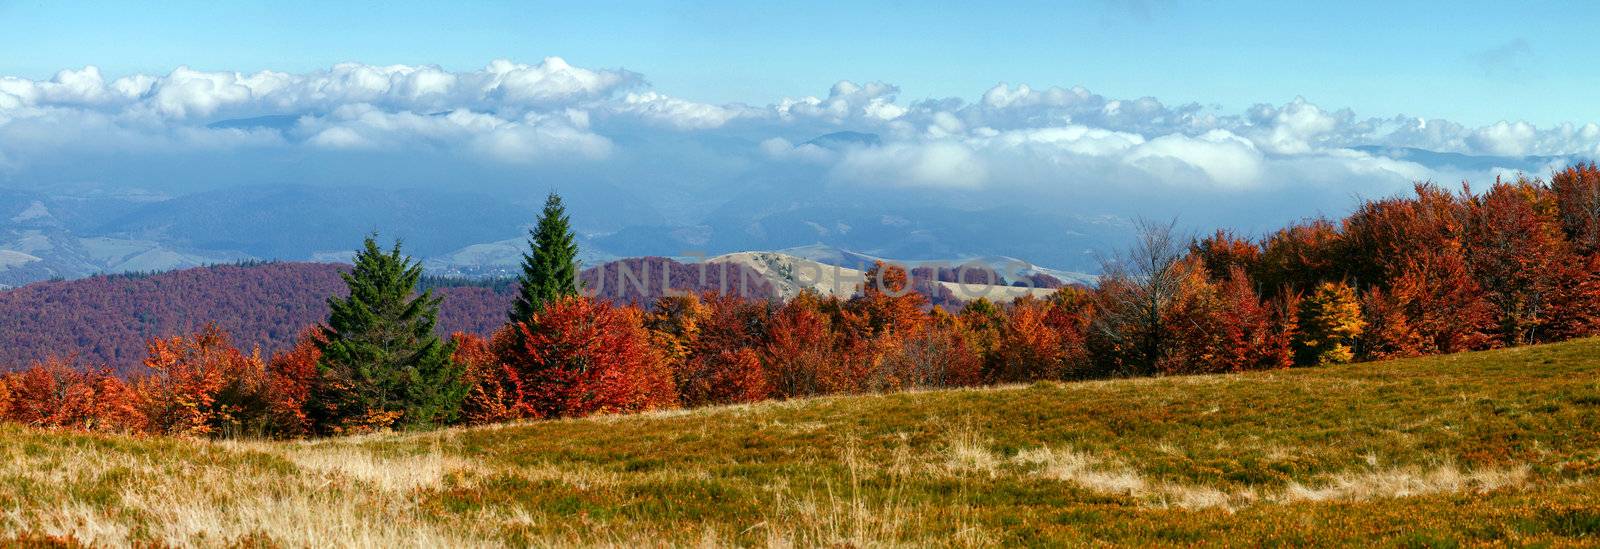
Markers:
point(290, 377)
point(59, 394)
point(496, 392)
point(579, 356)
point(711, 345)
point(201, 385)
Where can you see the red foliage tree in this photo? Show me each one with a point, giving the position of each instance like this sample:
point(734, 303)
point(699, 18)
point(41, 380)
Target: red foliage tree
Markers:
point(885, 304)
point(803, 354)
point(731, 333)
point(1443, 303)
point(723, 377)
point(290, 375)
point(580, 356)
point(1225, 327)
point(201, 385)
point(1575, 307)
point(1518, 253)
point(937, 356)
point(56, 393)
point(1029, 347)
point(1577, 191)
point(711, 347)
point(1388, 333)
point(1224, 251)
point(1297, 258)
point(497, 392)
point(1382, 237)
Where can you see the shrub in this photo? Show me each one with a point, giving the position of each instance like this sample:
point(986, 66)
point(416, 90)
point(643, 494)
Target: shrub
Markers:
point(1223, 326)
point(57, 393)
point(938, 356)
point(722, 377)
point(711, 345)
point(1030, 345)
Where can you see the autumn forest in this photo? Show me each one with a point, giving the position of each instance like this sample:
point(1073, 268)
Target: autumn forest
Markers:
point(1441, 270)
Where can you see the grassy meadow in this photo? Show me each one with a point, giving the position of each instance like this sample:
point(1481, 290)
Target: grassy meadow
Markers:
point(1499, 447)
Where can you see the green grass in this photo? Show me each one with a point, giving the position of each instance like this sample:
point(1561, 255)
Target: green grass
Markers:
point(1500, 447)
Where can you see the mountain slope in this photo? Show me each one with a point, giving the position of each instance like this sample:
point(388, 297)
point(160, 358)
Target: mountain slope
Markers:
point(108, 319)
point(791, 274)
point(1486, 448)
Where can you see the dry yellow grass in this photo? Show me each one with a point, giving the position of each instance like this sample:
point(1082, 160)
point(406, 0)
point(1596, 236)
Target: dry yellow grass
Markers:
point(1489, 448)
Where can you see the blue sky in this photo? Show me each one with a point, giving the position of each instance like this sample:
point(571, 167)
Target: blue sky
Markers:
point(1472, 62)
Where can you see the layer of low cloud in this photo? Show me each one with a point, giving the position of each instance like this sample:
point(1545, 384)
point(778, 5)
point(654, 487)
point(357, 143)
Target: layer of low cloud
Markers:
point(1009, 139)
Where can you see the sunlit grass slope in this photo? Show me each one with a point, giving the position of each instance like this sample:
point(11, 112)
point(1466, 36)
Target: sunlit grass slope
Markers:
point(1494, 447)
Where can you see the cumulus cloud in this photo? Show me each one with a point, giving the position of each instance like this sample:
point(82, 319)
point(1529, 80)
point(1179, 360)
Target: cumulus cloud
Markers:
point(1013, 139)
point(1223, 157)
point(506, 111)
point(933, 164)
point(847, 101)
point(186, 93)
point(678, 113)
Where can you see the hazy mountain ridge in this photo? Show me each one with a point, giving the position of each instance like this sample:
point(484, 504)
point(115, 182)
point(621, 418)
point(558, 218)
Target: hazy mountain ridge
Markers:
point(83, 229)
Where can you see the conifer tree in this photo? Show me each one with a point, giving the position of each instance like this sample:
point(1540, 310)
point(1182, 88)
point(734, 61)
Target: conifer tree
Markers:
point(550, 268)
point(382, 365)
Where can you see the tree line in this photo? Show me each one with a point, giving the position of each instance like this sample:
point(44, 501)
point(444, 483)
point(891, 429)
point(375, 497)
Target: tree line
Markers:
point(1438, 271)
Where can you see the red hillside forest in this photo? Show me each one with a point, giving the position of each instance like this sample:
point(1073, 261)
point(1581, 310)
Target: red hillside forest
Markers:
point(107, 320)
point(1439, 270)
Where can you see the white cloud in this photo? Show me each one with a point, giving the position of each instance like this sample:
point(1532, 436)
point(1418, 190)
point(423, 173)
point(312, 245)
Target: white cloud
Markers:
point(1072, 139)
point(1227, 159)
point(530, 138)
point(1298, 127)
point(1505, 138)
point(1012, 138)
point(935, 164)
point(677, 113)
point(537, 138)
point(189, 93)
point(340, 137)
point(846, 101)
point(552, 81)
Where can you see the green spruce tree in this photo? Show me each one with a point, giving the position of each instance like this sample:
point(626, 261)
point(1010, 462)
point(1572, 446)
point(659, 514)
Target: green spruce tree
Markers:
point(382, 365)
point(550, 268)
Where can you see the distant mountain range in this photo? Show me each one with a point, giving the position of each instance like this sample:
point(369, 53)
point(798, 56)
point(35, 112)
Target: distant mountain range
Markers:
point(1532, 165)
point(63, 236)
point(81, 230)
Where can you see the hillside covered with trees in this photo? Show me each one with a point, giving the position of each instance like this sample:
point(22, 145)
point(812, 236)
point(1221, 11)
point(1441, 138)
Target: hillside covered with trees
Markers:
point(107, 320)
point(1439, 271)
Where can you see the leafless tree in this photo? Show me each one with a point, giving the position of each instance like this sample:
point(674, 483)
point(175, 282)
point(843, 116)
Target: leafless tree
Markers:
point(1137, 289)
